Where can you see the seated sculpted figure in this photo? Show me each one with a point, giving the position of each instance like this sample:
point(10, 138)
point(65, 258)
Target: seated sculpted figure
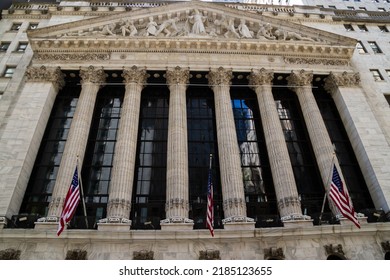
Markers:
point(244, 30)
point(128, 28)
point(151, 27)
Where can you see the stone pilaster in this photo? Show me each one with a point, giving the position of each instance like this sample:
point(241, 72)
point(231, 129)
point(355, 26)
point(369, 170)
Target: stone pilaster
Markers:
point(229, 155)
point(301, 83)
point(91, 80)
point(177, 205)
point(289, 204)
point(365, 133)
point(22, 134)
point(122, 178)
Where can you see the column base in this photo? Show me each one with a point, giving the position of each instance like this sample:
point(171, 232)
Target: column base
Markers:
point(344, 221)
point(238, 223)
point(177, 224)
point(297, 220)
point(114, 224)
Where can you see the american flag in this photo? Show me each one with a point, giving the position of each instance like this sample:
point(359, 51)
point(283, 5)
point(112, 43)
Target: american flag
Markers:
point(71, 202)
point(210, 205)
point(341, 198)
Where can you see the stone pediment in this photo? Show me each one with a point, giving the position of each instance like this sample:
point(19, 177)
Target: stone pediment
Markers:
point(190, 27)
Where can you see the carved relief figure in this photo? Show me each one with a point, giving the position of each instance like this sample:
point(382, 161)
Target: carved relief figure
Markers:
point(228, 25)
point(168, 27)
point(244, 30)
point(108, 29)
point(265, 31)
point(151, 27)
point(128, 28)
point(197, 20)
point(289, 35)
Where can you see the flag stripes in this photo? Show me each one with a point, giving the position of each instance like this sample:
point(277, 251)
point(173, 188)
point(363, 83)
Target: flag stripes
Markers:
point(210, 205)
point(71, 202)
point(341, 198)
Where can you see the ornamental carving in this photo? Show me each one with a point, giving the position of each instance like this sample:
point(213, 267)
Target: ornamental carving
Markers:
point(300, 78)
point(119, 203)
point(261, 77)
point(334, 250)
point(76, 254)
point(178, 75)
point(386, 246)
point(134, 75)
point(220, 76)
point(209, 255)
point(335, 80)
point(176, 203)
point(72, 56)
point(143, 255)
point(274, 254)
point(92, 75)
point(10, 254)
point(287, 201)
point(193, 23)
point(43, 74)
point(314, 61)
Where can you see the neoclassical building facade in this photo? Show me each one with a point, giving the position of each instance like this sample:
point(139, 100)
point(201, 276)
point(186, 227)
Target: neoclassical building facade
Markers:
point(141, 98)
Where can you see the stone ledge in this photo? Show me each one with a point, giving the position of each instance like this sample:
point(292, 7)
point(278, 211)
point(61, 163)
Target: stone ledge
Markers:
point(113, 227)
point(239, 226)
point(177, 226)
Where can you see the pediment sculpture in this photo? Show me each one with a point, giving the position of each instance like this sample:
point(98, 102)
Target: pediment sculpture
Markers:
point(194, 24)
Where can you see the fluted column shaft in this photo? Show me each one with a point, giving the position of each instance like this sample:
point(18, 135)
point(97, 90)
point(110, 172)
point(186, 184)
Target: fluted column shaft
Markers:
point(76, 143)
point(282, 173)
point(122, 178)
point(177, 192)
point(229, 156)
point(301, 82)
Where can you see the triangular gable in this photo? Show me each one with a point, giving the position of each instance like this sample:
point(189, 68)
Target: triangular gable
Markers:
point(194, 26)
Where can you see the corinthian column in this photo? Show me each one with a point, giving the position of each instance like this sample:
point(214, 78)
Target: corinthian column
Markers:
point(30, 116)
point(288, 201)
point(176, 206)
point(301, 83)
point(122, 178)
point(91, 80)
point(234, 205)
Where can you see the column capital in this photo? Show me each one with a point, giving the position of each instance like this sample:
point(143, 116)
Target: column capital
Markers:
point(44, 74)
point(261, 77)
point(178, 75)
point(344, 79)
point(220, 76)
point(300, 78)
point(92, 75)
point(135, 75)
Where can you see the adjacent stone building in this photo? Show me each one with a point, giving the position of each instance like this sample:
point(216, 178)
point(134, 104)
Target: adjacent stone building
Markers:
point(140, 95)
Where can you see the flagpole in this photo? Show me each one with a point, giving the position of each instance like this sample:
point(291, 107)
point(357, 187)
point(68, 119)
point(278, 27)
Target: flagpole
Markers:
point(327, 188)
point(82, 192)
point(211, 161)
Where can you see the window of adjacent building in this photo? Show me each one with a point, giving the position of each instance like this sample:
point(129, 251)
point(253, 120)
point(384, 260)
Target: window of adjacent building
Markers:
point(332, 7)
point(374, 46)
point(357, 0)
point(348, 27)
point(383, 28)
point(9, 71)
point(4, 46)
point(362, 27)
point(350, 8)
point(363, 8)
point(22, 47)
point(361, 49)
point(376, 74)
point(16, 26)
point(33, 26)
point(382, 9)
point(1, 94)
